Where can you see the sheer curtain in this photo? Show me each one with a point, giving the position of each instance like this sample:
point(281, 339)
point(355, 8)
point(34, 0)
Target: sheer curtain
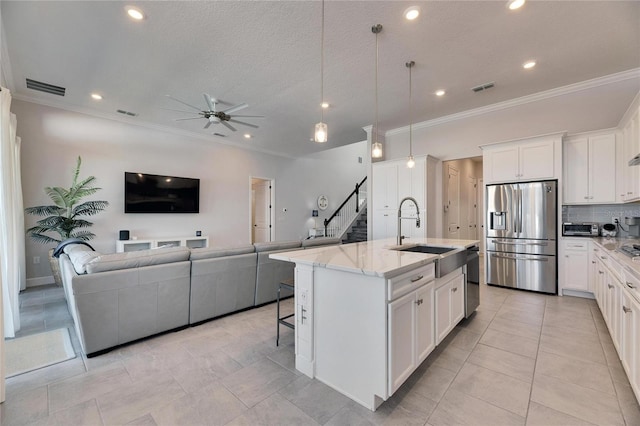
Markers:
point(12, 237)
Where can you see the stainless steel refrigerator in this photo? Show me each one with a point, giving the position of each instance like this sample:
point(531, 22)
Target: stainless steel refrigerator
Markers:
point(522, 235)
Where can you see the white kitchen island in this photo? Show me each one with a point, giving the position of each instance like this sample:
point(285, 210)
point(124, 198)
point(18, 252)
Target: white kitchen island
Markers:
point(367, 315)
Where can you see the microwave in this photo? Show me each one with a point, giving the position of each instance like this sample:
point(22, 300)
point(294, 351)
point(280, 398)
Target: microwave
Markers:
point(584, 229)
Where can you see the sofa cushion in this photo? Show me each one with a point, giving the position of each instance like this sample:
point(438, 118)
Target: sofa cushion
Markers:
point(277, 245)
point(136, 259)
point(322, 241)
point(80, 255)
point(213, 252)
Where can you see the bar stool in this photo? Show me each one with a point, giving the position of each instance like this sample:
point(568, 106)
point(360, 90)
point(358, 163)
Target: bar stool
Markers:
point(288, 284)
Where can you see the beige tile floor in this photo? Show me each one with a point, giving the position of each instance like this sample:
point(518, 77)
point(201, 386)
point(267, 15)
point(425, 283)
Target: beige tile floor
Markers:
point(522, 359)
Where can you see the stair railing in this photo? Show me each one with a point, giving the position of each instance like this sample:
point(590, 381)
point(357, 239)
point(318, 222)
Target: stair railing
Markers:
point(345, 215)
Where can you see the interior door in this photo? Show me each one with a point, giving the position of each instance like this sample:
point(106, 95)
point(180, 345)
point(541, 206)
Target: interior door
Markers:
point(452, 204)
point(261, 211)
point(472, 207)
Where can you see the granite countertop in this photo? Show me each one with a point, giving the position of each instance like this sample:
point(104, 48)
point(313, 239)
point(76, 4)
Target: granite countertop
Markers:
point(375, 258)
point(612, 245)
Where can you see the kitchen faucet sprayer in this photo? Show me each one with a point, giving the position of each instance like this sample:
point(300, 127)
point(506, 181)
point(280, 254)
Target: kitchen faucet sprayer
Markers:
point(417, 218)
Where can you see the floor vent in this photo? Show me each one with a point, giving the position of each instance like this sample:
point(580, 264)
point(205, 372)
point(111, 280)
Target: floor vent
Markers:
point(131, 114)
point(482, 87)
point(45, 87)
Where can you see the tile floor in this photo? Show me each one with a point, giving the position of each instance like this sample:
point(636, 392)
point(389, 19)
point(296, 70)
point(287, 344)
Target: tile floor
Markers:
point(523, 358)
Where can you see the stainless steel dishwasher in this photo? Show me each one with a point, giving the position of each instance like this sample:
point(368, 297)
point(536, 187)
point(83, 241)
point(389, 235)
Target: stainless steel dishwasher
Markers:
point(472, 282)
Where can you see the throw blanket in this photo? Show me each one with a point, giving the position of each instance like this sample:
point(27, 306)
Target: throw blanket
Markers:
point(58, 250)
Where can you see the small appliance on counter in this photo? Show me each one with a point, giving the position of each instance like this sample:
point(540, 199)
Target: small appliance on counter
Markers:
point(634, 226)
point(584, 229)
point(609, 230)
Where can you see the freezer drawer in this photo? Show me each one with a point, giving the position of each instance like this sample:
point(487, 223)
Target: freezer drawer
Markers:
point(522, 271)
point(519, 245)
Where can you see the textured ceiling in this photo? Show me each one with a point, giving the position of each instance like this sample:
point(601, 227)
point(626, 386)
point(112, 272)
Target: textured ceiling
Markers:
point(267, 54)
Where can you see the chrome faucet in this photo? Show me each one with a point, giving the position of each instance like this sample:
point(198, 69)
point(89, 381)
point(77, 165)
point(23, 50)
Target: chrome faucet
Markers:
point(417, 219)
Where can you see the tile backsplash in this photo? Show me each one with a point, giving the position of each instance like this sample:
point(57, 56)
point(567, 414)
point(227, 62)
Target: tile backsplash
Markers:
point(601, 214)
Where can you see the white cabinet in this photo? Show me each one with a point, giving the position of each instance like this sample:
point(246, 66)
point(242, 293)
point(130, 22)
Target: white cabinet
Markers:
point(574, 264)
point(590, 169)
point(134, 245)
point(392, 182)
point(631, 148)
point(522, 160)
point(449, 302)
point(411, 334)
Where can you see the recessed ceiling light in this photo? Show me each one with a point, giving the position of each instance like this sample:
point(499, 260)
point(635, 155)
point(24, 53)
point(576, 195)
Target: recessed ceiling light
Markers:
point(247, 136)
point(96, 96)
point(515, 4)
point(440, 93)
point(135, 13)
point(529, 64)
point(325, 105)
point(412, 13)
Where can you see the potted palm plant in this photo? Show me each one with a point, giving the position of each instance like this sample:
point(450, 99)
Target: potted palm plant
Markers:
point(65, 216)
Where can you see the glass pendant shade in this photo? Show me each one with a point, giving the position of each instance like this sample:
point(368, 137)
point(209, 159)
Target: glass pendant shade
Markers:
point(376, 150)
point(411, 162)
point(320, 134)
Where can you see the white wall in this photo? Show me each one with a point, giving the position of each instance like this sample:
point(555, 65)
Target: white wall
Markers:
point(52, 138)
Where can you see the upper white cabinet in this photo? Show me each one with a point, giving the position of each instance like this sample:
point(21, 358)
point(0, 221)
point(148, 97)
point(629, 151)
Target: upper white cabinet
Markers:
point(590, 169)
point(533, 159)
point(630, 190)
point(385, 186)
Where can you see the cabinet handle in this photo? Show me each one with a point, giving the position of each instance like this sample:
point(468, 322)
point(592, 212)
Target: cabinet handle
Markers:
point(419, 302)
point(603, 257)
point(593, 261)
point(610, 286)
point(586, 198)
point(600, 272)
point(626, 310)
point(591, 197)
point(418, 278)
point(630, 285)
point(454, 289)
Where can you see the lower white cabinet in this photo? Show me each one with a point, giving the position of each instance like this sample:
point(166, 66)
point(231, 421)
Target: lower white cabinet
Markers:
point(575, 265)
point(449, 301)
point(411, 334)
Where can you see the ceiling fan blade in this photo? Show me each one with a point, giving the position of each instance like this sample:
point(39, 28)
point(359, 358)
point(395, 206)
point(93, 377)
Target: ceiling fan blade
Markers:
point(183, 119)
point(235, 108)
point(209, 102)
point(243, 123)
point(178, 110)
point(249, 116)
point(228, 126)
point(206, 126)
point(184, 103)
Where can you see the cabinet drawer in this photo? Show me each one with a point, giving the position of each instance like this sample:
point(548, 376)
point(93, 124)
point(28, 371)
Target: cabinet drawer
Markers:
point(575, 245)
point(403, 284)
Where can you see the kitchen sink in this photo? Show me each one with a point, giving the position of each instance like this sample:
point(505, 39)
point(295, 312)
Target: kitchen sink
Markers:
point(450, 259)
point(428, 249)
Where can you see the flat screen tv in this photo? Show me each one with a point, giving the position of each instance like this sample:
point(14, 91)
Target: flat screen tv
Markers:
point(145, 193)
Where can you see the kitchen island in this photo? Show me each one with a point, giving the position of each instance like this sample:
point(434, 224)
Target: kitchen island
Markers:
point(367, 314)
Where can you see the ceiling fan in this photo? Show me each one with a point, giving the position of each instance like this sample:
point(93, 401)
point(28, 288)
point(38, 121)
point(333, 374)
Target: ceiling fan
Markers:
point(215, 116)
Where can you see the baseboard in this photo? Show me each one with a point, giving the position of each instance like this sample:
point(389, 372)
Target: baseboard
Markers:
point(34, 282)
point(577, 293)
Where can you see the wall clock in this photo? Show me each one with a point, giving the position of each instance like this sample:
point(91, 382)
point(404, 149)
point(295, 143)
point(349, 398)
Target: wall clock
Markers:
point(323, 202)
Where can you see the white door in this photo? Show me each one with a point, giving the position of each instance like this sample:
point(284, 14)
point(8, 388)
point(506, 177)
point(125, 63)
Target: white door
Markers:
point(261, 211)
point(481, 214)
point(452, 203)
point(472, 207)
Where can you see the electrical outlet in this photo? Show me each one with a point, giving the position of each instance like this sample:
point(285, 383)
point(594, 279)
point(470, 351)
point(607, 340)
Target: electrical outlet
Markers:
point(36, 260)
point(615, 219)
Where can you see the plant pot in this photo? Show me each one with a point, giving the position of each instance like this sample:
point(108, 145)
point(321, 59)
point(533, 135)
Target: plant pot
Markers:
point(55, 268)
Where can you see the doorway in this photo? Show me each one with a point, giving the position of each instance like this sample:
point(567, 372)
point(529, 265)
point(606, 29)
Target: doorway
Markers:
point(262, 209)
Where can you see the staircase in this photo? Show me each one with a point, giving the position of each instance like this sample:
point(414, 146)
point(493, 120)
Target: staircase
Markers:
point(358, 231)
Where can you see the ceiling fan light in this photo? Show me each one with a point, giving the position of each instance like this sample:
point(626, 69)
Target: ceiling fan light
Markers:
point(376, 150)
point(320, 134)
point(515, 4)
point(411, 162)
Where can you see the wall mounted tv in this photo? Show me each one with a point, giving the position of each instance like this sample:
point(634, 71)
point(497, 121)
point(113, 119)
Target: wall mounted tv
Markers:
point(144, 193)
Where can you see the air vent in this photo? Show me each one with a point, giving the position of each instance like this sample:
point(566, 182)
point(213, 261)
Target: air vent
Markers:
point(482, 87)
point(131, 114)
point(219, 134)
point(45, 87)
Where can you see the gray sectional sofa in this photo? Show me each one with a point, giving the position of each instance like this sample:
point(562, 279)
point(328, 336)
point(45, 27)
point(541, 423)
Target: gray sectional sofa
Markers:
point(122, 297)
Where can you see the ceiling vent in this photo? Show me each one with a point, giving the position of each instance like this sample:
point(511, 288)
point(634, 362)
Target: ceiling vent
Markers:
point(219, 134)
point(45, 87)
point(131, 114)
point(483, 87)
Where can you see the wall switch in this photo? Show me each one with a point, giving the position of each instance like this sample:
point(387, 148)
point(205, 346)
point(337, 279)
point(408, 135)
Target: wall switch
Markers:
point(36, 260)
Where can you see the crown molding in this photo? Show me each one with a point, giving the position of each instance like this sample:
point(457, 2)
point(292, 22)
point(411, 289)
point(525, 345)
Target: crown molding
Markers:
point(547, 94)
point(148, 125)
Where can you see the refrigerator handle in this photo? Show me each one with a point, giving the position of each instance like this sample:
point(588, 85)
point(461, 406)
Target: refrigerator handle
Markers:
point(519, 212)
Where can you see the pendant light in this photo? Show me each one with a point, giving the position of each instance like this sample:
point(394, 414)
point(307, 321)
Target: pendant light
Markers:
point(376, 148)
point(410, 161)
point(320, 134)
